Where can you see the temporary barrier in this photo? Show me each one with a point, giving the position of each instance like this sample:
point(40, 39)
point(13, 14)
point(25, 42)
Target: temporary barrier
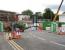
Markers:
point(48, 28)
point(62, 29)
point(46, 24)
point(1, 26)
point(54, 26)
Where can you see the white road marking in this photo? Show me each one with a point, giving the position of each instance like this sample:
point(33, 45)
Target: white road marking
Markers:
point(17, 45)
point(57, 43)
point(14, 45)
point(38, 37)
point(46, 40)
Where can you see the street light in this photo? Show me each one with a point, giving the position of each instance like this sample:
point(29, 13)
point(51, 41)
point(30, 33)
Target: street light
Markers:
point(35, 21)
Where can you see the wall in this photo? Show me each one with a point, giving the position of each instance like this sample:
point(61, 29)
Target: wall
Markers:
point(62, 18)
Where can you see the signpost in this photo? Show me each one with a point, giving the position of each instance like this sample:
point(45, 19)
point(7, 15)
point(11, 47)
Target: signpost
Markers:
point(35, 21)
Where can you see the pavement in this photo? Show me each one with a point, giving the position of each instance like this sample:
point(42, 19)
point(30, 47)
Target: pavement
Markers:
point(45, 40)
point(3, 43)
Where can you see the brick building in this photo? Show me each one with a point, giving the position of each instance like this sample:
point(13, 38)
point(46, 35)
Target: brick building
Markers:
point(7, 17)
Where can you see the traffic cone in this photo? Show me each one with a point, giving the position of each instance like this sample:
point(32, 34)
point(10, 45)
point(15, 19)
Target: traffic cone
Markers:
point(14, 35)
point(61, 33)
point(39, 29)
point(10, 36)
point(18, 35)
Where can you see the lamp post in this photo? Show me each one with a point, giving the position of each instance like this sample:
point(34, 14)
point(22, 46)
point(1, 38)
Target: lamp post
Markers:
point(35, 21)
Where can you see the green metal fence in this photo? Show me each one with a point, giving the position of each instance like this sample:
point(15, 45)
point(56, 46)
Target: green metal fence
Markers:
point(1, 26)
point(54, 26)
point(46, 24)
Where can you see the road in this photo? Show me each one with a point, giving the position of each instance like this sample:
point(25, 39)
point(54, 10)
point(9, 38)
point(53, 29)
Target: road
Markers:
point(3, 43)
point(45, 40)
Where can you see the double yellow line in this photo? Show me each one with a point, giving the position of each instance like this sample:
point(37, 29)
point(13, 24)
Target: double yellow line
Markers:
point(14, 45)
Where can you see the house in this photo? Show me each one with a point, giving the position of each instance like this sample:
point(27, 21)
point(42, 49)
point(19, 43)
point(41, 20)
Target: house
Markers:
point(23, 17)
point(7, 17)
point(62, 17)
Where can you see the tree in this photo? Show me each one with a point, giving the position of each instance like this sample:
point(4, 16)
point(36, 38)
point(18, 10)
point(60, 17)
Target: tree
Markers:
point(39, 15)
point(19, 25)
point(48, 14)
point(57, 18)
point(27, 12)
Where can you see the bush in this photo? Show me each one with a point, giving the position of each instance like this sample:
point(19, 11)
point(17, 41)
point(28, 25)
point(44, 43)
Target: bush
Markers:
point(20, 25)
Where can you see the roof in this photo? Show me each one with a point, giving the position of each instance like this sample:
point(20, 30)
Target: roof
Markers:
point(4, 11)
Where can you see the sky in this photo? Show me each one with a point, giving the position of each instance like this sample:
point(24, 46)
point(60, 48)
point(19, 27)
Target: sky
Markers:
point(34, 5)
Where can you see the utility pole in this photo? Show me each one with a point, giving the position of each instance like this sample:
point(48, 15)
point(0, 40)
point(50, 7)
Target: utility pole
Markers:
point(58, 10)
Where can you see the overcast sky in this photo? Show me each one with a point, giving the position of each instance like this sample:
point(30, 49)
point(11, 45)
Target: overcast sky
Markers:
point(34, 5)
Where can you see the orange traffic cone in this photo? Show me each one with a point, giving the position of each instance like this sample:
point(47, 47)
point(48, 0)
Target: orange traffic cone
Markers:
point(18, 35)
point(10, 36)
point(14, 35)
point(39, 29)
